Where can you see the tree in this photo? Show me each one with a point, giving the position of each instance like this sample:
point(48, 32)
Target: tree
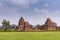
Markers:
point(38, 26)
point(5, 25)
point(8, 25)
point(31, 26)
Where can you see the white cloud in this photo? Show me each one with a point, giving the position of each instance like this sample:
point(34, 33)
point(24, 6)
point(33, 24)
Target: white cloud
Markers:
point(34, 1)
point(43, 13)
point(39, 14)
point(7, 10)
point(46, 5)
point(24, 3)
point(10, 14)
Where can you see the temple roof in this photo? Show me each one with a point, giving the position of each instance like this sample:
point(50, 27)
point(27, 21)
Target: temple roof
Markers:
point(48, 21)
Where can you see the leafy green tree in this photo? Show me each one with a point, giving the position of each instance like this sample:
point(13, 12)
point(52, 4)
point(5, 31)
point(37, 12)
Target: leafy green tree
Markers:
point(5, 25)
point(38, 26)
point(31, 26)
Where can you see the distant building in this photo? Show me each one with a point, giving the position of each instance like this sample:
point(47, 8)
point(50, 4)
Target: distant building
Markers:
point(58, 28)
point(49, 25)
point(25, 26)
point(22, 25)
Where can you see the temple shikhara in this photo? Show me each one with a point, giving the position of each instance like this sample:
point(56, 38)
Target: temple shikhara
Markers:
point(25, 26)
point(49, 25)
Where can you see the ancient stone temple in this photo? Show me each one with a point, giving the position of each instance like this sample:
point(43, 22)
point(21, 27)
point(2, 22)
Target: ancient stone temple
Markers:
point(22, 25)
point(27, 26)
point(49, 25)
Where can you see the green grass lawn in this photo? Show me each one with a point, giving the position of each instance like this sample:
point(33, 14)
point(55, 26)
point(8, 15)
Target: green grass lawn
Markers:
point(29, 35)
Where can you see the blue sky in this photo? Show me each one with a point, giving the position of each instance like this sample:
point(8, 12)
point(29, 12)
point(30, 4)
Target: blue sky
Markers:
point(33, 11)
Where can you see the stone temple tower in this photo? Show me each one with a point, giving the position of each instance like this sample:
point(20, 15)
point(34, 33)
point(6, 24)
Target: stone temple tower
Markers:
point(27, 26)
point(21, 24)
point(49, 25)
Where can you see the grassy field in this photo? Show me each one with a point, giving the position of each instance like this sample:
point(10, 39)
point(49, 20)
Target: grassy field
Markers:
point(29, 35)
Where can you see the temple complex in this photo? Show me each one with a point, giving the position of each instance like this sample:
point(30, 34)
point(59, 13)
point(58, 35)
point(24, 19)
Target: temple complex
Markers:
point(49, 25)
point(25, 26)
